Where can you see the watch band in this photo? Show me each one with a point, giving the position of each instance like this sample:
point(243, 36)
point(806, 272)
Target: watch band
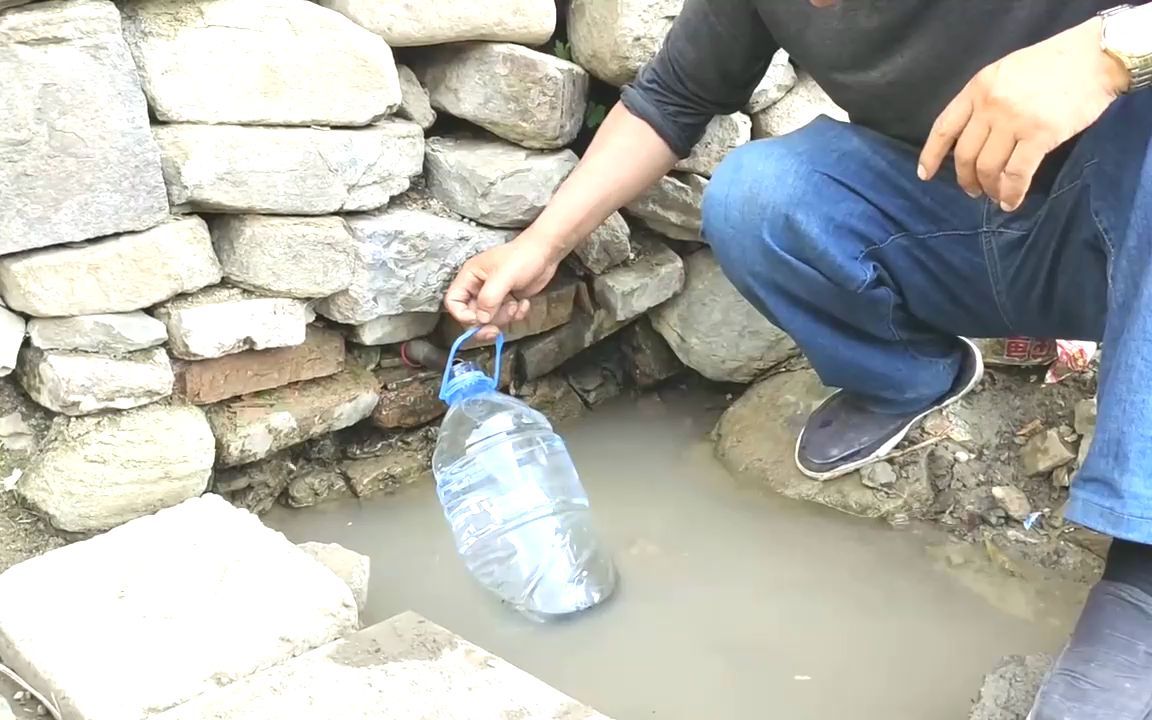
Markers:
point(1139, 69)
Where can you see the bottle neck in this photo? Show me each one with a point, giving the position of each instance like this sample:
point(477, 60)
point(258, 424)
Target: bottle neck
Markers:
point(466, 380)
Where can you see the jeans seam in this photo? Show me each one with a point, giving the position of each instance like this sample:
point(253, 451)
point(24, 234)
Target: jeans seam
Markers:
point(1105, 235)
point(891, 294)
point(992, 261)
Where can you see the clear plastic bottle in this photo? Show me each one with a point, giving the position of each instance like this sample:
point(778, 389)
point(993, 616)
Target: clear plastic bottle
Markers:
point(518, 512)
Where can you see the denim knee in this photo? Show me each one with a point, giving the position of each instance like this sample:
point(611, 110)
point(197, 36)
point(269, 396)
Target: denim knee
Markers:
point(760, 207)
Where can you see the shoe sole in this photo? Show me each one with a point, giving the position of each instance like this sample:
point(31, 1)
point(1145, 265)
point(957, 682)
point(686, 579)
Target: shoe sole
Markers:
point(888, 446)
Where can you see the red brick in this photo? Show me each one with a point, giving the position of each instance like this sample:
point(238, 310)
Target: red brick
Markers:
point(204, 382)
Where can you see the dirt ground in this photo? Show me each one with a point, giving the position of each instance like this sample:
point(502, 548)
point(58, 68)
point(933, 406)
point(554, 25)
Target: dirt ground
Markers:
point(23, 425)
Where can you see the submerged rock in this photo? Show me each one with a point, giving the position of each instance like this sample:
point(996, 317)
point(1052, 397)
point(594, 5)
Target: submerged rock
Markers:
point(756, 440)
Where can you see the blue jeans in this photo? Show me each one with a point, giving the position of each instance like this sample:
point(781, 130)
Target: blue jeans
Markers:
point(828, 232)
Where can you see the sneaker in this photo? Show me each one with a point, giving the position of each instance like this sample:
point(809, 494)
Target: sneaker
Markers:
point(842, 435)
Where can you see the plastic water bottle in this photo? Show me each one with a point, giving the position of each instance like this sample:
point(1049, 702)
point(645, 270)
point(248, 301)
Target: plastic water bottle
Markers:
point(518, 512)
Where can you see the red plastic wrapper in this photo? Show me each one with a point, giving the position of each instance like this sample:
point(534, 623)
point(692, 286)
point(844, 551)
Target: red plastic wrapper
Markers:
point(1072, 356)
point(1018, 351)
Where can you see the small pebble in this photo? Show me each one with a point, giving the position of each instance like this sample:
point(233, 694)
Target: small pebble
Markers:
point(1013, 501)
point(963, 456)
point(41, 711)
point(19, 696)
point(878, 475)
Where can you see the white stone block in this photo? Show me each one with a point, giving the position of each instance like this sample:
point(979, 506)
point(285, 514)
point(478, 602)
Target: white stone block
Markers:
point(225, 320)
point(109, 333)
point(392, 329)
point(529, 22)
point(348, 565)
point(295, 257)
point(405, 260)
point(164, 609)
point(94, 473)
point(405, 668)
point(76, 158)
point(287, 170)
point(11, 339)
point(118, 274)
point(273, 62)
point(81, 383)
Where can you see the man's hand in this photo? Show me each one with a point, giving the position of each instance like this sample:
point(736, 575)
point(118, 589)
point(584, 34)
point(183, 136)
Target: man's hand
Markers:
point(493, 288)
point(1019, 109)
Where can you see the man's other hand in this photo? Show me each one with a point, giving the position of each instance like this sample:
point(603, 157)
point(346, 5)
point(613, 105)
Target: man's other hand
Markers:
point(1019, 109)
point(493, 288)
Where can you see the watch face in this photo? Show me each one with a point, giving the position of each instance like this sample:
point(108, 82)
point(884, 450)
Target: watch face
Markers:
point(1128, 35)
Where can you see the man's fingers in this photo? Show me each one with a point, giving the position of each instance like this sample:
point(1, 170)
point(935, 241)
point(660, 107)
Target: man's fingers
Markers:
point(968, 149)
point(1019, 171)
point(945, 131)
point(460, 298)
point(522, 309)
point(490, 298)
point(993, 158)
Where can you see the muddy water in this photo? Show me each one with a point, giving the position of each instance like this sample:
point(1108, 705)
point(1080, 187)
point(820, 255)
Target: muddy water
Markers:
point(733, 603)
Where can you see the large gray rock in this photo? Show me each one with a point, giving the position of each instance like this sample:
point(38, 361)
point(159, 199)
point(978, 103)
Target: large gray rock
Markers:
point(656, 275)
point(613, 40)
point(96, 472)
point(392, 329)
point(253, 427)
point(527, 97)
point(407, 665)
point(288, 171)
point(529, 22)
point(108, 333)
point(295, 257)
point(348, 565)
point(225, 320)
point(405, 259)
point(800, 106)
point(715, 331)
point(777, 81)
point(414, 103)
point(493, 182)
point(756, 441)
point(671, 207)
point(723, 134)
point(1009, 691)
point(11, 339)
point(76, 158)
point(118, 274)
point(81, 383)
point(189, 599)
point(274, 62)
point(608, 246)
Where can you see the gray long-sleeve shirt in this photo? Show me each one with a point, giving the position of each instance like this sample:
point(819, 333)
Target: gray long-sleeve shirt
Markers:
point(891, 64)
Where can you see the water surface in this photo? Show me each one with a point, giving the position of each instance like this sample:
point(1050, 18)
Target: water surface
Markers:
point(733, 603)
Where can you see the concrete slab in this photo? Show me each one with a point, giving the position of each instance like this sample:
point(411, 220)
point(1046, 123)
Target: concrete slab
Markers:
point(405, 668)
point(157, 611)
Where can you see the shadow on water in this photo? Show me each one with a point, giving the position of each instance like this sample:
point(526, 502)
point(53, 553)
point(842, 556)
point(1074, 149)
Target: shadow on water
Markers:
point(733, 603)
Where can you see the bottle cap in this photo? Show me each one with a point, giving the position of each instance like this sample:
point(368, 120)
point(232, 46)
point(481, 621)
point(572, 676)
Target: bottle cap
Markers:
point(466, 379)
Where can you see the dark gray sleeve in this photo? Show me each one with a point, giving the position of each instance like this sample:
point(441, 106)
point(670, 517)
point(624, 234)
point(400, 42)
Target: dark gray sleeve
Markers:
point(710, 63)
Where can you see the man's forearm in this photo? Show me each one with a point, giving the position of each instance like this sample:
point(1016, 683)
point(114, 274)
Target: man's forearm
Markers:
point(624, 159)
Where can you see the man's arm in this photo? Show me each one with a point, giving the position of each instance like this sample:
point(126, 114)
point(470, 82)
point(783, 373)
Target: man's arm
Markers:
point(710, 63)
point(713, 58)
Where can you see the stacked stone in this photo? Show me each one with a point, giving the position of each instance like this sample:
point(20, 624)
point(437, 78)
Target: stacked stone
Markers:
point(222, 217)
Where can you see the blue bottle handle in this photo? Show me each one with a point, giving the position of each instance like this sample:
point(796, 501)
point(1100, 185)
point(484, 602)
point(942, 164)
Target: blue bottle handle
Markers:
point(456, 347)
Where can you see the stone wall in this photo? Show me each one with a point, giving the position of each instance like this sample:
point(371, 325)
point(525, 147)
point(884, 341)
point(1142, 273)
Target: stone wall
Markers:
point(221, 219)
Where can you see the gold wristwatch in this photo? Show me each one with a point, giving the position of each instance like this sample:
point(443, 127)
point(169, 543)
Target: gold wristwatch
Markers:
point(1127, 36)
